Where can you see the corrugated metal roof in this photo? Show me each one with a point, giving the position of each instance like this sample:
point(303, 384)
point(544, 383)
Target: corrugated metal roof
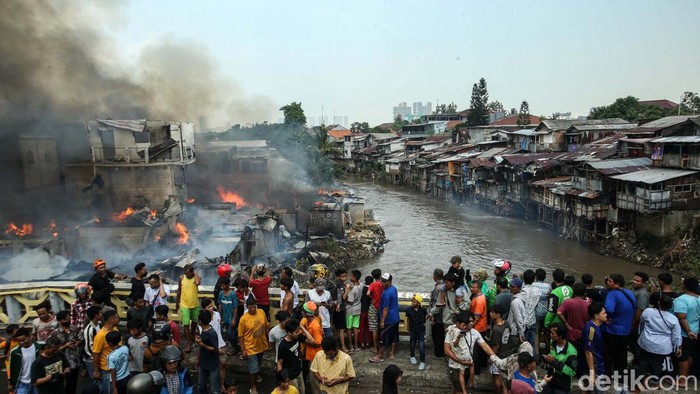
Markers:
point(619, 163)
point(667, 121)
point(583, 193)
point(636, 140)
point(654, 175)
point(589, 127)
point(133, 125)
point(565, 180)
point(524, 132)
point(561, 124)
point(679, 139)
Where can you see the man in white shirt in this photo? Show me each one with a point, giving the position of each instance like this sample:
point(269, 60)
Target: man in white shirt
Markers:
point(156, 293)
point(322, 298)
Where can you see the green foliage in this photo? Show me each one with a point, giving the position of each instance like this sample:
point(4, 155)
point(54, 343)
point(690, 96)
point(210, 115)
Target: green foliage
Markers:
point(358, 127)
point(630, 109)
point(524, 114)
point(690, 103)
point(399, 122)
point(496, 106)
point(294, 114)
point(479, 113)
point(443, 109)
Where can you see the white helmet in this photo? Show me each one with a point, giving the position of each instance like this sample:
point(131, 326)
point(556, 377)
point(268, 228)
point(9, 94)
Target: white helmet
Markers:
point(503, 265)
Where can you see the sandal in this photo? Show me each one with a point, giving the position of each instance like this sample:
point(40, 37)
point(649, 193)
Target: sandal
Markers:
point(376, 360)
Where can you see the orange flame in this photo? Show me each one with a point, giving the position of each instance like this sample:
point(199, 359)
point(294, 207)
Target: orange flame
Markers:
point(229, 196)
point(24, 230)
point(322, 191)
point(52, 228)
point(183, 232)
point(153, 214)
point(123, 215)
point(318, 204)
point(190, 200)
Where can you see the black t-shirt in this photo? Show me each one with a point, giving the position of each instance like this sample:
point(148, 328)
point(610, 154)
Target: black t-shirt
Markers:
point(656, 297)
point(54, 366)
point(288, 352)
point(209, 360)
point(460, 275)
point(340, 291)
point(137, 287)
point(416, 320)
point(596, 295)
point(365, 300)
point(144, 314)
point(103, 284)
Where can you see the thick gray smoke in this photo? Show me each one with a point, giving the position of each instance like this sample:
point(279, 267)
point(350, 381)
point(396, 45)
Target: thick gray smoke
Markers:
point(59, 69)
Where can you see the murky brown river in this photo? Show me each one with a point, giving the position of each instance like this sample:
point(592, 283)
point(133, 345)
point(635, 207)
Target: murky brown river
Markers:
point(425, 233)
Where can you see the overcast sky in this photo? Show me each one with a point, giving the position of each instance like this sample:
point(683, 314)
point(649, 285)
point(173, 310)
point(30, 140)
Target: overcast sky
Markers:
point(360, 58)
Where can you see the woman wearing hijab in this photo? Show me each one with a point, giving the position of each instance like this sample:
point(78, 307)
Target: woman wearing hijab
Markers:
point(391, 379)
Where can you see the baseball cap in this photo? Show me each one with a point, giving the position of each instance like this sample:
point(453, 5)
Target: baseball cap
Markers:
point(418, 298)
point(320, 284)
point(516, 282)
point(455, 259)
point(387, 276)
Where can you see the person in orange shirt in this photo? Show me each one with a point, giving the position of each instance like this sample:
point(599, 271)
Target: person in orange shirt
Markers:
point(478, 308)
point(7, 345)
point(312, 323)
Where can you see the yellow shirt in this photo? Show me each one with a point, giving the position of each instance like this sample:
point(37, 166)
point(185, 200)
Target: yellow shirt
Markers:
point(100, 346)
point(253, 330)
point(333, 369)
point(290, 390)
point(189, 296)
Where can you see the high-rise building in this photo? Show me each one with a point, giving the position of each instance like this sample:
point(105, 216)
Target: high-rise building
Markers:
point(341, 120)
point(402, 110)
point(420, 109)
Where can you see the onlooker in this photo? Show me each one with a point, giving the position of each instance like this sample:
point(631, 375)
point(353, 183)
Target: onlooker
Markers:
point(69, 344)
point(94, 315)
point(573, 312)
point(118, 363)
point(664, 288)
point(188, 303)
point(228, 306)
point(365, 334)
point(49, 369)
point(208, 305)
point(504, 297)
point(501, 268)
point(456, 268)
point(156, 293)
point(21, 359)
point(312, 324)
point(338, 315)
point(322, 298)
point(437, 329)
point(562, 358)
point(416, 316)
point(287, 273)
point(252, 336)
point(518, 310)
point(140, 311)
point(278, 331)
point(525, 378)
point(332, 368)
point(260, 286)
point(101, 281)
point(478, 307)
point(80, 306)
point(687, 310)
point(592, 345)
point(45, 323)
point(389, 319)
point(532, 296)
point(374, 291)
point(101, 349)
point(162, 338)
point(137, 286)
point(284, 383)
point(138, 342)
point(620, 306)
point(163, 317)
point(595, 294)
point(559, 293)
point(286, 295)
point(459, 348)
point(641, 295)
point(177, 377)
point(8, 344)
point(288, 352)
point(504, 341)
point(391, 378)
point(659, 339)
point(353, 296)
point(541, 311)
point(208, 343)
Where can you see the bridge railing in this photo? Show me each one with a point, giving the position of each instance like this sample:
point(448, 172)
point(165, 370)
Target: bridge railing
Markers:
point(17, 300)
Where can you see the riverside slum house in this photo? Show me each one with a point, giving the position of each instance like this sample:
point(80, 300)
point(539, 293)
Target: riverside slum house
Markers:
point(581, 178)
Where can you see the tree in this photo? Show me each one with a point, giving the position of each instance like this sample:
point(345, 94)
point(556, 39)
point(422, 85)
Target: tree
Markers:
point(399, 122)
point(496, 106)
point(513, 111)
point(294, 114)
point(690, 104)
point(358, 127)
point(524, 114)
point(478, 112)
point(630, 109)
point(451, 108)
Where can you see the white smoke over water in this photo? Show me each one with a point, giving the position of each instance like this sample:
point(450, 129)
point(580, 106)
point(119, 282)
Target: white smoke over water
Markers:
point(32, 265)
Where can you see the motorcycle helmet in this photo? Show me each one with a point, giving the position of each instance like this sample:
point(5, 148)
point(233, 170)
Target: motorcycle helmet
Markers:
point(161, 330)
point(81, 288)
point(140, 384)
point(503, 265)
point(171, 353)
point(224, 270)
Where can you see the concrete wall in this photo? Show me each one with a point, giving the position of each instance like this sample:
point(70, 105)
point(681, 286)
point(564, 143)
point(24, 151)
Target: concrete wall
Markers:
point(154, 184)
point(321, 222)
point(664, 225)
point(39, 161)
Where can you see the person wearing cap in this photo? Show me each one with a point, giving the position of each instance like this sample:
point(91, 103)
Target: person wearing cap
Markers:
point(101, 280)
point(518, 310)
point(322, 298)
point(80, 306)
point(416, 316)
point(312, 324)
point(388, 319)
point(501, 268)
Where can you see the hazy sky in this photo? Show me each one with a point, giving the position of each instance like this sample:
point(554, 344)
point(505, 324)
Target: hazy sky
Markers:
point(360, 58)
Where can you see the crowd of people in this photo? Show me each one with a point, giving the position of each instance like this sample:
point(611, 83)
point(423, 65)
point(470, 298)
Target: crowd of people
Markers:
point(504, 327)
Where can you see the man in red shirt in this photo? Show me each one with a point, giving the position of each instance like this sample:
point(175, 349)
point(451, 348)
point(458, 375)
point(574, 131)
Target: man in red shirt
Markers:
point(260, 286)
point(375, 294)
point(573, 312)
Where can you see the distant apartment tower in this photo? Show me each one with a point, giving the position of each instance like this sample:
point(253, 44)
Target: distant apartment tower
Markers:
point(402, 110)
point(420, 109)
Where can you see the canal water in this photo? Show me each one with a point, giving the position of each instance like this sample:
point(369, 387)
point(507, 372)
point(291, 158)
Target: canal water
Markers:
point(424, 233)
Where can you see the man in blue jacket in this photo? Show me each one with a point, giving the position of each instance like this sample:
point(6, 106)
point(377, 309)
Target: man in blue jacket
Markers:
point(620, 305)
point(177, 377)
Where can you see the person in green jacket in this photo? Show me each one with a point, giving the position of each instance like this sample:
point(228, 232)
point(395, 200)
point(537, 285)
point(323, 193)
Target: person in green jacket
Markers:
point(560, 292)
point(562, 360)
point(18, 382)
point(501, 268)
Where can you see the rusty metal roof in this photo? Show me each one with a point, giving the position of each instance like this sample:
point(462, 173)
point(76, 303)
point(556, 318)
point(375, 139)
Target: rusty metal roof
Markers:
point(553, 181)
point(583, 193)
point(653, 175)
